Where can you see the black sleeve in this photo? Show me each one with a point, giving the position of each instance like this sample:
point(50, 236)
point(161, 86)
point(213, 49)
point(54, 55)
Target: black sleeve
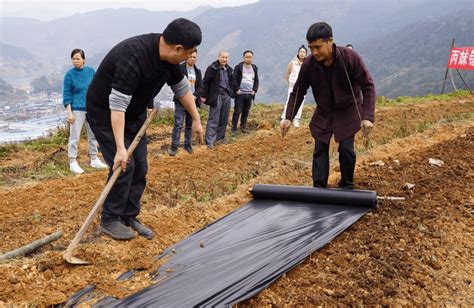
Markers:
point(255, 82)
point(206, 82)
point(232, 82)
point(176, 75)
point(127, 71)
point(236, 74)
point(198, 89)
point(150, 104)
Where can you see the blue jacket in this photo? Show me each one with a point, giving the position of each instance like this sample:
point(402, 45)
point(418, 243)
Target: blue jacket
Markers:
point(76, 82)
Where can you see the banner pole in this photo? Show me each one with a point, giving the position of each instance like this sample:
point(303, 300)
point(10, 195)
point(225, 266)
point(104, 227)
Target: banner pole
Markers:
point(447, 68)
point(465, 83)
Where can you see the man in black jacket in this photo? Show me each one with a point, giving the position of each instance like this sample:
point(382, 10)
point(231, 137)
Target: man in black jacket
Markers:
point(246, 77)
point(193, 74)
point(127, 80)
point(218, 88)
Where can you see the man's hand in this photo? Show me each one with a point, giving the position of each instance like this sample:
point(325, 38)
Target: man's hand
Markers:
point(198, 131)
point(284, 127)
point(253, 93)
point(121, 159)
point(367, 127)
point(70, 117)
point(238, 92)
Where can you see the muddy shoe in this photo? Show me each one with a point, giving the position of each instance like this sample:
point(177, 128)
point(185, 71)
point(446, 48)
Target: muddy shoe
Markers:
point(140, 228)
point(188, 148)
point(117, 230)
point(173, 151)
point(245, 130)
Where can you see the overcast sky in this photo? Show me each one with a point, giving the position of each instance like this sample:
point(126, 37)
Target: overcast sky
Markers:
point(51, 9)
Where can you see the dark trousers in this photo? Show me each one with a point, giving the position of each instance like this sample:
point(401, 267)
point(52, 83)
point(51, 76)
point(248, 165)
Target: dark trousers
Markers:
point(218, 119)
point(243, 102)
point(123, 201)
point(347, 160)
point(180, 116)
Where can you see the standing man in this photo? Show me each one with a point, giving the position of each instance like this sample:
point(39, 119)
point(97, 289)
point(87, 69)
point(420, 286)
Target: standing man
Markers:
point(193, 74)
point(128, 78)
point(337, 76)
point(218, 88)
point(246, 77)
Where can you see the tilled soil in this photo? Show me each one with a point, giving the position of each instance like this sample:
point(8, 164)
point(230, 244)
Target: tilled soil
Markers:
point(414, 252)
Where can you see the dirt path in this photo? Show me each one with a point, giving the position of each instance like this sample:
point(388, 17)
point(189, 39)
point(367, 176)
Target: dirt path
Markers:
point(187, 192)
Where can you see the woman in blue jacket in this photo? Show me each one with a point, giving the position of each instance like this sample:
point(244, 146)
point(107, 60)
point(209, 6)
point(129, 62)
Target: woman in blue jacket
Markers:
point(76, 82)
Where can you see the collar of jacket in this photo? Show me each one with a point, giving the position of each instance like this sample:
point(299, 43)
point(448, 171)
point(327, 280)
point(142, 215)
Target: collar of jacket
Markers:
point(241, 65)
point(216, 66)
point(185, 65)
point(335, 56)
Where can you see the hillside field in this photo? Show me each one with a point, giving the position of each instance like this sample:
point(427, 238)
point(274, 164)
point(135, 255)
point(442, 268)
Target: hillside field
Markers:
point(417, 252)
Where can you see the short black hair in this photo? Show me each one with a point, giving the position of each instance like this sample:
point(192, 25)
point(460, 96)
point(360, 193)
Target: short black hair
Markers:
point(246, 52)
point(79, 51)
point(184, 32)
point(350, 46)
point(319, 30)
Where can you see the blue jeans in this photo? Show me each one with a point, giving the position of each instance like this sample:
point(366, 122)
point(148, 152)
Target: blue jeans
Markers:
point(180, 116)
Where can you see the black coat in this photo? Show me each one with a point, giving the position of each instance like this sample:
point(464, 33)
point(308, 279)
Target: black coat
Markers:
point(238, 75)
point(197, 87)
point(338, 116)
point(211, 83)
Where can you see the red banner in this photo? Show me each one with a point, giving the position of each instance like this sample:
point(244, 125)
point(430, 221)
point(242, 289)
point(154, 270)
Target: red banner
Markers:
point(461, 58)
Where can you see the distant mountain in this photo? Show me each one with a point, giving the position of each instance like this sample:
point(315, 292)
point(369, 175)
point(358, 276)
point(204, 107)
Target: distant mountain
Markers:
point(18, 62)
point(412, 60)
point(275, 29)
point(388, 35)
point(94, 31)
point(10, 52)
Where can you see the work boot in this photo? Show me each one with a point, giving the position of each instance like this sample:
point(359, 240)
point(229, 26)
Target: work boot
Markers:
point(98, 164)
point(221, 142)
point(173, 151)
point(117, 230)
point(244, 130)
point(188, 148)
point(140, 228)
point(75, 168)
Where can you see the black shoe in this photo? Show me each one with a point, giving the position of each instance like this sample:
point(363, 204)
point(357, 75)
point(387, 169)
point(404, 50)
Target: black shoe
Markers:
point(188, 148)
point(173, 151)
point(245, 130)
point(140, 228)
point(233, 132)
point(117, 230)
point(210, 146)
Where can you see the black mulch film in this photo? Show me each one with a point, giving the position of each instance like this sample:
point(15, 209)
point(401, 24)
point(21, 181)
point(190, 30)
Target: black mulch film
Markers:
point(242, 253)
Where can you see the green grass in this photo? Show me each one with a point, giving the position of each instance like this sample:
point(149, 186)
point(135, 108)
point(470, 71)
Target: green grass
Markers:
point(58, 139)
point(8, 149)
point(400, 100)
point(164, 117)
